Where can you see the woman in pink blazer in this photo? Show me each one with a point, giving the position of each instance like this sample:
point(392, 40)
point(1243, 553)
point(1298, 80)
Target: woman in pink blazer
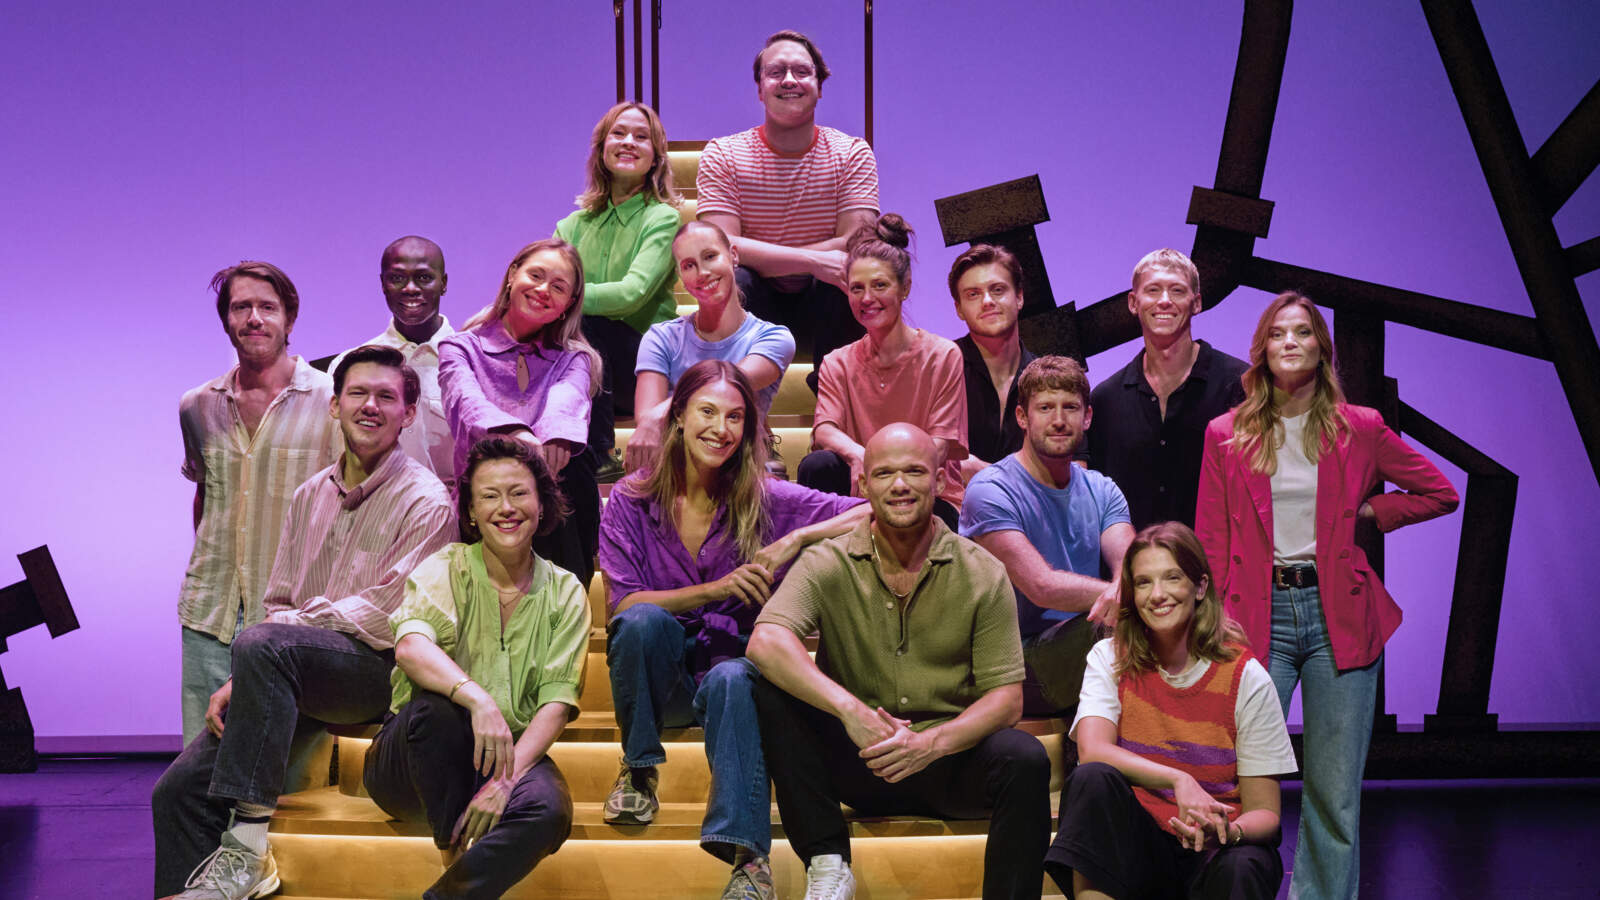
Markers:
point(1285, 478)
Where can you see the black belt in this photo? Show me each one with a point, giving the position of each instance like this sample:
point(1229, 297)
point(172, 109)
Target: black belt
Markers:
point(1294, 576)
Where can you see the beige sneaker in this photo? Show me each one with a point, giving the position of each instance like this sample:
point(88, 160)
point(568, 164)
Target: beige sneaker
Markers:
point(633, 798)
point(232, 872)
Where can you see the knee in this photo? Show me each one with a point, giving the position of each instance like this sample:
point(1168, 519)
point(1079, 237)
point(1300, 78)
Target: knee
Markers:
point(1025, 758)
point(431, 717)
point(824, 470)
point(257, 646)
point(639, 628)
point(1093, 779)
point(1250, 870)
point(730, 675)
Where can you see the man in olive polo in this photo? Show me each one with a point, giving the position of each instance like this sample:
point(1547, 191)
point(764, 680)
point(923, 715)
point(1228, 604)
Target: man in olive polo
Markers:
point(909, 705)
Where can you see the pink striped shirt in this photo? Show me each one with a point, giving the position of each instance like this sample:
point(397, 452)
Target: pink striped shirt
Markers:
point(248, 481)
point(788, 200)
point(346, 553)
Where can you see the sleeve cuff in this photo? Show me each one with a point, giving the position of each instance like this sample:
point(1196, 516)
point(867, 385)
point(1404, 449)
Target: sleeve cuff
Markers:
point(415, 626)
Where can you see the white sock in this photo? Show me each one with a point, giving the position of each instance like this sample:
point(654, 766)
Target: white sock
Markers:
point(250, 826)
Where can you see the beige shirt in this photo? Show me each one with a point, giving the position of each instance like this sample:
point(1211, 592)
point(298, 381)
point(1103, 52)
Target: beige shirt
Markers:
point(428, 439)
point(248, 483)
point(927, 659)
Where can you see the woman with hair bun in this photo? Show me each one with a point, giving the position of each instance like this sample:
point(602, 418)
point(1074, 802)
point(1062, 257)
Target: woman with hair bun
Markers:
point(1285, 478)
point(895, 374)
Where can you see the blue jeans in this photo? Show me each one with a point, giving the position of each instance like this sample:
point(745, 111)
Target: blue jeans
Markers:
point(652, 689)
point(1338, 709)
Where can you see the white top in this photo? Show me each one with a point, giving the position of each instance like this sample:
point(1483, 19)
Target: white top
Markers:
point(428, 440)
point(1262, 742)
point(1294, 498)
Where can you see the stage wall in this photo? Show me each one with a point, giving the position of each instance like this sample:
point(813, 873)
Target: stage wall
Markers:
point(150, 144)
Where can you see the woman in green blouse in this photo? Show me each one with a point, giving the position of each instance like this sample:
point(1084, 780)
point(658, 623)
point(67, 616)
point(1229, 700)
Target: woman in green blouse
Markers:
point(489, 652)
point(623, 230)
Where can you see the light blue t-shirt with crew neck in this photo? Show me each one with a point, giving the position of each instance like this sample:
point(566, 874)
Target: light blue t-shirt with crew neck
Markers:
point(1063, 524)
point(671, 347)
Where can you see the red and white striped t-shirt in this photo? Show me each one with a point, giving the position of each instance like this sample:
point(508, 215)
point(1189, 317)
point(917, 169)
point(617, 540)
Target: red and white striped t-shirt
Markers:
point(790, 200)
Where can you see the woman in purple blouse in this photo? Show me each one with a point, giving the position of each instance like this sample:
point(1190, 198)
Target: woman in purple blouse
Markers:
point(691, 549)
point(521, 367)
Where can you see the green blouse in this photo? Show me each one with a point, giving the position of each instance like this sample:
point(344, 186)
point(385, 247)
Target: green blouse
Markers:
point(537, 659)
point(627, 259)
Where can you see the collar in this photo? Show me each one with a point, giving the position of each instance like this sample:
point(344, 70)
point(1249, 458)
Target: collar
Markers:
point(816, 135)
point(630, 208)
point(972, 357)
point(303, 379)
point(1133, 375)
point(494, 338)
point(942, 549)
point(350, 498)
point(392, 337)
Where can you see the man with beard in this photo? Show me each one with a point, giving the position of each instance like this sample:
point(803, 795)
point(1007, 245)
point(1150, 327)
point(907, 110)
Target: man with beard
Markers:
point(1052, 523)
point(250, 437)
point(411, 273)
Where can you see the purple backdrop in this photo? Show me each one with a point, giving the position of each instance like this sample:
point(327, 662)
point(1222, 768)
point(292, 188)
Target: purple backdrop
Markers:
point(148, 146)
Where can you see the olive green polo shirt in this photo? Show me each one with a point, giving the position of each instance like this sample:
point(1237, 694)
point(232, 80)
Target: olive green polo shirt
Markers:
point(627, 259)
point(927, 659)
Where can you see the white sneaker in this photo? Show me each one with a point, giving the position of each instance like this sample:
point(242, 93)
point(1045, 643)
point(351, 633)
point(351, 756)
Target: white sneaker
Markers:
point(232, 872)
point(829, 878)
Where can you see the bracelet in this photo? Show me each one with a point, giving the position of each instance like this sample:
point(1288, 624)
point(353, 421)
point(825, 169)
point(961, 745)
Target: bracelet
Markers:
point(1240, 838)
point(456, 687)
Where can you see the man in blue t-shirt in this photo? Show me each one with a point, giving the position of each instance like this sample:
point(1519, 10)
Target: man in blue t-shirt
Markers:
point(1052, 523)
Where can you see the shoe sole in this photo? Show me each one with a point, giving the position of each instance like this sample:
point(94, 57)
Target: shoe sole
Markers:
point(629, 819)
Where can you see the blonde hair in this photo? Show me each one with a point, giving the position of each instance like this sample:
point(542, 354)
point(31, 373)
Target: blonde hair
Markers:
point(658, 181)
point(1213, 635)
point(1257, 425)
point(740, 482)
point(566, 332)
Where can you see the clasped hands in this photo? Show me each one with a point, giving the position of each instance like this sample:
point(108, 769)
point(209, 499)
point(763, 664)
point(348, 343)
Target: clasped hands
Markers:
point(1202, 820)
point(891, 749)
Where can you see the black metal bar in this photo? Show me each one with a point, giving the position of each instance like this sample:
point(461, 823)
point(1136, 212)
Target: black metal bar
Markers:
point(1480, 578)
point(638, 48)
point(1481, 325)
point(1509, 173)
point(867, 81)
point(622, 76)
point(1571, 153)
point(655, 55)
point(1583, 258)
point(1221, 254)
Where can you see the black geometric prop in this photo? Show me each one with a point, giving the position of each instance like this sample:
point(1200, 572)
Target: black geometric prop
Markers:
point(38, 599)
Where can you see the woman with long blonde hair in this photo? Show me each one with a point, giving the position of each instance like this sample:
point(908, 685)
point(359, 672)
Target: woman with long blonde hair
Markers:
point(522, 367)
point(1181, 743)
point(691, 548)
point(1285, 478)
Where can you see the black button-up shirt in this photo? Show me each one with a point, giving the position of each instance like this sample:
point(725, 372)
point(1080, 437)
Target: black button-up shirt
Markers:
point(992, 433)
point(1156, 461)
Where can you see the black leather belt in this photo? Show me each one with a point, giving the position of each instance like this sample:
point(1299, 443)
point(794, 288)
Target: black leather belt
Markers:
point(1294, 576)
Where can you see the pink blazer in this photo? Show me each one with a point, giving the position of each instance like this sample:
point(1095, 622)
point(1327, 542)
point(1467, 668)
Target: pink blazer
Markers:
point(1233, 519)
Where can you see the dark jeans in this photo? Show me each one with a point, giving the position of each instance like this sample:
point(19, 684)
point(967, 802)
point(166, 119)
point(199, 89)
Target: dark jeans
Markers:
point(574, 545)
point(618, 345)
point(819, 316)
point(825, 470)
point(419, 769)
point(1113, 841)
point(288, 681)
point(815, 767)
point(1055, 659)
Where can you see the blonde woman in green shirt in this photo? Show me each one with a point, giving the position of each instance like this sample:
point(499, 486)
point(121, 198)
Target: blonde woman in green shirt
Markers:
point(489, 651)
point(623, 230)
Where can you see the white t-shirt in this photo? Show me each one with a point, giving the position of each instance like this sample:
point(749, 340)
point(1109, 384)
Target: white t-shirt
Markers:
point(1294, 498)
point(1262, 743)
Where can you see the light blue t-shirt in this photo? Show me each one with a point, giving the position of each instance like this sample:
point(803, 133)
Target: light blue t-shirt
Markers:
point(671, 347)
point(1063, 524)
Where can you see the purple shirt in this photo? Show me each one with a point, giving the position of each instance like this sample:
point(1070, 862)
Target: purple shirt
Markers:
point(478, 383)
point(641, 551)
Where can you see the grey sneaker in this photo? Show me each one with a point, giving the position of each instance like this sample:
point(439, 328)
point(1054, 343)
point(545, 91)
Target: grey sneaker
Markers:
point(232, 872)
point(751, 881)
point(633, 798)
point(829, 878)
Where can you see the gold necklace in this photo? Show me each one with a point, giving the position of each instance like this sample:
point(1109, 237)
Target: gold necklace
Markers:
point(882, 575)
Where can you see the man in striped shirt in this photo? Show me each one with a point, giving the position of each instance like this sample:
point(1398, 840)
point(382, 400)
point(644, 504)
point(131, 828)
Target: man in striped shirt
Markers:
point(789, 193)
point(250, 437)
point(353, 534)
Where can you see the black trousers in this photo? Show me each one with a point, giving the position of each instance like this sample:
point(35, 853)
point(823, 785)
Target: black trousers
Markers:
point(419, 769)
point(827, 471)
point(815, 767)
point(573, 546)
point(1113, 841)
point(618, 345)
point(819, 317)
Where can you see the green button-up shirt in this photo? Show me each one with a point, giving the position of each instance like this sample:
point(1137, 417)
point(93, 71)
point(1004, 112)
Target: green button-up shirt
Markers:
point(536, 659)
point(927, 659)
point(627, 259)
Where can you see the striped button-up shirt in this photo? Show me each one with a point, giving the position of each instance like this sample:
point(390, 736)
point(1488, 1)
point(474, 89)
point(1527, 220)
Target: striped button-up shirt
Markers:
point(346, 552)
point(248, 480)
point(427, 440)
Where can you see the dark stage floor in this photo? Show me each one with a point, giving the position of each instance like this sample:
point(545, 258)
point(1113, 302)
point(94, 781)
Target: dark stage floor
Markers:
point(81, 828)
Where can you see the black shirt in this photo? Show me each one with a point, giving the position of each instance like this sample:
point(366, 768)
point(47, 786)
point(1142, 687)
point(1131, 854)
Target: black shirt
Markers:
point(1156, 461)
point(992, 433)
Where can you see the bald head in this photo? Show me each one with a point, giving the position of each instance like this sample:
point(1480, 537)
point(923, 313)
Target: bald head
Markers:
point(901, 437)
point(901, 476)
point(413, 245)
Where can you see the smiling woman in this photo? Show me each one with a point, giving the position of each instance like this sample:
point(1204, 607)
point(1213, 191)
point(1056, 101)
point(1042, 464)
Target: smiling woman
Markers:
point(522, 368)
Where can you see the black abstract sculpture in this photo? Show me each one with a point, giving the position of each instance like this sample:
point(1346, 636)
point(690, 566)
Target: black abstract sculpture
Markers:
point(38, 599)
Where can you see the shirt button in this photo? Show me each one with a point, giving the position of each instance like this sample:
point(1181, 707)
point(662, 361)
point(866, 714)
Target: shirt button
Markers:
point(1348, 513)
point(904, 701)
point(1238, 559)
point(900, 652)
point(888, 605)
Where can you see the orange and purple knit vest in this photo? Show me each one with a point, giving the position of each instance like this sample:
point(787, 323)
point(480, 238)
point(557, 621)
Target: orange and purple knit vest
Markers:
point(1191, 729)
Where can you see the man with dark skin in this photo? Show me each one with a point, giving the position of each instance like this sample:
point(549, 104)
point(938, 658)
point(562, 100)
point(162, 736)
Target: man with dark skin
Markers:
point(411, 273)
